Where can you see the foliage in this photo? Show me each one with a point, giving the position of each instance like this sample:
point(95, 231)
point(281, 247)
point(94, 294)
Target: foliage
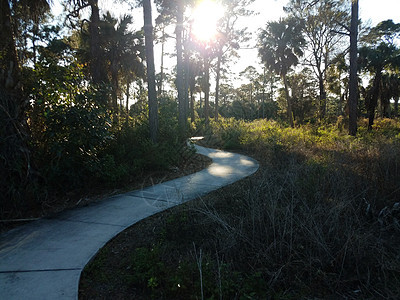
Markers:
point(280, 46)
point(77, 143)
point(323, 22)
point(380, 56)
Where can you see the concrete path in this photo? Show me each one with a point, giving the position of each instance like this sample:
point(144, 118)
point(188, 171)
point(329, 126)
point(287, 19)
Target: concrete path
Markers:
point(44, 259)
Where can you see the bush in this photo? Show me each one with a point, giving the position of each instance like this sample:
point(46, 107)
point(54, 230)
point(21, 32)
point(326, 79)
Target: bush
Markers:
point(73, 134)
point(17, 178)
point(314, 223)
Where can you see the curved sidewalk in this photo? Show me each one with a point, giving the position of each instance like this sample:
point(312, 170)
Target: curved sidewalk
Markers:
point(44, 259)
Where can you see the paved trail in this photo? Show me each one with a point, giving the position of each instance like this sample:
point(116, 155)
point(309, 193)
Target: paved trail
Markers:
point(44, 259)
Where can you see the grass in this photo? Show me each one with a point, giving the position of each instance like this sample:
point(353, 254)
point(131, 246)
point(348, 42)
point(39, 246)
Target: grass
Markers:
point(189, 162)
point(318, 220)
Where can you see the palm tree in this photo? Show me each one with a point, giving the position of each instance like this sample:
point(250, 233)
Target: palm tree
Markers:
point(97, 65)
point(380, 54)
point(376, 61)
point(122, 50)
point(394, 88)
point(280, 46)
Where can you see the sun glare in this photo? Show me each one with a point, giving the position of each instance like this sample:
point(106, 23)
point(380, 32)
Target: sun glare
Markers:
point(205, 18)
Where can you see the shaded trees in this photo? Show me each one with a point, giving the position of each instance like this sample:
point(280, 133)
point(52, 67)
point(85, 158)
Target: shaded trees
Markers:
point(124, 52)
point(15, 157)
point(97, 65)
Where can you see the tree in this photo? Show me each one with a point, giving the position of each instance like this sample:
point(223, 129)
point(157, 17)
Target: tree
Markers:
point(206, 83)
point(268, 80)
point(97, 65)
point(161, 24)
point(180, 81)
point(378, 55)
point(194, 70)
point(174, 10)
point(15, 161)
point(353, 82)
point(251, 74)
point(390, 89)
point(304, 92)
point(206, 52)
point(229, 39)
point(151, 77)
point(338, 82)
point(323, 21)
point(124, 52)
point(280, 46)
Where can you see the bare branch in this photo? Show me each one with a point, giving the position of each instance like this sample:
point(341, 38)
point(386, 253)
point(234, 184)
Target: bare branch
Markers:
point(341, 32)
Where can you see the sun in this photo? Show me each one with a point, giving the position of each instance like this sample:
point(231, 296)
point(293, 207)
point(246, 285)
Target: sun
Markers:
point(205, 18)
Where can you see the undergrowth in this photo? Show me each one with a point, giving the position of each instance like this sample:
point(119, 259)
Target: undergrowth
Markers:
point(319, 220)
point(81, 149)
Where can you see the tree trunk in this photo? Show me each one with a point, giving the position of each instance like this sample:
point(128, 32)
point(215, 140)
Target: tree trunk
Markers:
point(151, 77)
point(396, 107)
point(373, 101)
point(386, 111)
point(180, 69)
point(114, 82)
point(217, 80)
point(186, 83)
point(15, 162)
point(128, 86)
point(97, 67)
point(161, 83)
point(9, 73)
point(263, 95)
point(322, 97)
point(207, 90)
point(353, 82)
point(289, 101)
point(200, 104)
point(192, 116)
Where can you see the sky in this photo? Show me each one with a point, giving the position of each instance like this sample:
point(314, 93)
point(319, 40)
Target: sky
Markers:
point(371, 12)
point(272, 10)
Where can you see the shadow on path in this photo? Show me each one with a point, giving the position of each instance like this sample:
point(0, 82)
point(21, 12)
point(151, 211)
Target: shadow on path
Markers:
point(44, 259)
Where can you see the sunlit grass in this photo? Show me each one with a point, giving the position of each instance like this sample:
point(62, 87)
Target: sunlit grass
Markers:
point(318, 220)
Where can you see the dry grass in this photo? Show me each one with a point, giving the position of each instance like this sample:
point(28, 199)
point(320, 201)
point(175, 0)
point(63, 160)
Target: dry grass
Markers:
point(319, 220)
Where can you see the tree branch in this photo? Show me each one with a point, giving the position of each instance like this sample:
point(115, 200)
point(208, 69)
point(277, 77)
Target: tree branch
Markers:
point(341, 32)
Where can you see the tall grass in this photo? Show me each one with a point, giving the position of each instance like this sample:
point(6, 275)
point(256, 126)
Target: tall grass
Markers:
point(320, 219)
point(321, 216)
